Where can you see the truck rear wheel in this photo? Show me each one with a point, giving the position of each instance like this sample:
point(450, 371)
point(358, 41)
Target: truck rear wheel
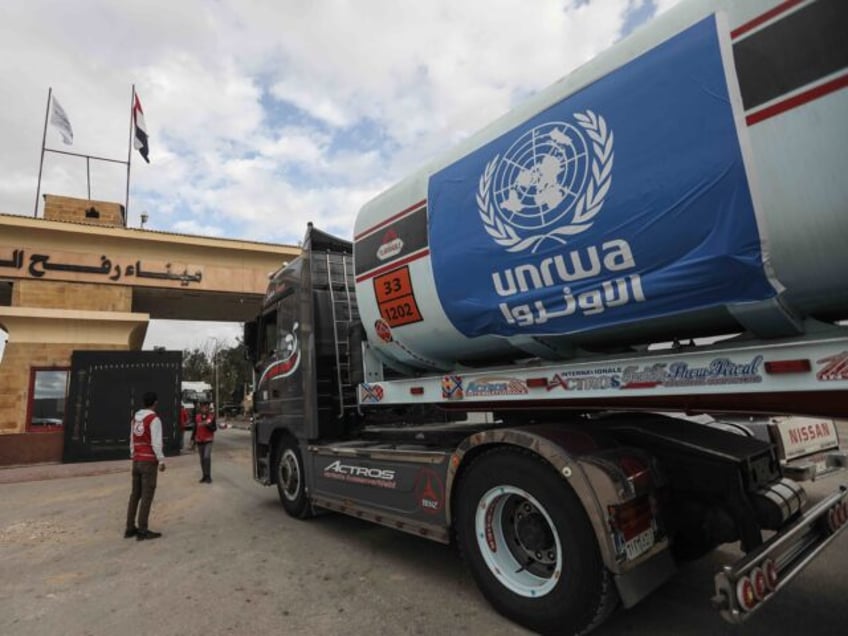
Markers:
point(530, 546)
point(290, 478)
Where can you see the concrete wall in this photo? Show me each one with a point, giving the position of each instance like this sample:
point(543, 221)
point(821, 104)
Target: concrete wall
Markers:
point(58, 208)
point(60, 295)
point(48, 321)
point(31, 448)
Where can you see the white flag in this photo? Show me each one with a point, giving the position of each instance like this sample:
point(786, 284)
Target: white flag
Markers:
point(59, 118)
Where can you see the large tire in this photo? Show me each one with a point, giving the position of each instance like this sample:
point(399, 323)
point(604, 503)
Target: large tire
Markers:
point(529, 544)
point(289, 474)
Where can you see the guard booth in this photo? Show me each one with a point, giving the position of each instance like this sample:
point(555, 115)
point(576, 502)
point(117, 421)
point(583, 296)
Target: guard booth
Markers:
point(106, 389)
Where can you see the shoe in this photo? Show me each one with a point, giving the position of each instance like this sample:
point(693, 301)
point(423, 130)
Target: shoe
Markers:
point(130, 532)
point(202, 480)
point(144, 535)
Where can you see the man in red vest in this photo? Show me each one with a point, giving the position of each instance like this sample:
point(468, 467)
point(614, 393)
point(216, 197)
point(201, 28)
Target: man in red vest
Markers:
point(204, 435)
point(147, 457)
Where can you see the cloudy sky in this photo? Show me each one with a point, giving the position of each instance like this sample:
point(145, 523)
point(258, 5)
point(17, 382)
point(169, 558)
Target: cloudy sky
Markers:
point(266, 114)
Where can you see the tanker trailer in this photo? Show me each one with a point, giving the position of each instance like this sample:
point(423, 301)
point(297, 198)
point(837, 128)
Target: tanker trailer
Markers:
point(687, 182)
point(474, 366)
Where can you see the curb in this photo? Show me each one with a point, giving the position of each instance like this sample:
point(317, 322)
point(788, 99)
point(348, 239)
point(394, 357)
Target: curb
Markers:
point(42, 472)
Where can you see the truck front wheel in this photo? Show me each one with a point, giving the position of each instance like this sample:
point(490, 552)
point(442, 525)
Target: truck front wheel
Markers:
point(529, 545)
point(290, 478)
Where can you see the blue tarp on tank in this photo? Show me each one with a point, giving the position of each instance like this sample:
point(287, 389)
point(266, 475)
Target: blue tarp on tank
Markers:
point(624, 201)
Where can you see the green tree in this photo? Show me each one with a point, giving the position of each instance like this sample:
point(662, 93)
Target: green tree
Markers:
point(197, 366)
point(233, 373)
point(232, 367)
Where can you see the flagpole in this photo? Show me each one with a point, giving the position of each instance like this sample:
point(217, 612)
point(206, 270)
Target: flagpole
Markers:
point(129, 160)
point(43, 143)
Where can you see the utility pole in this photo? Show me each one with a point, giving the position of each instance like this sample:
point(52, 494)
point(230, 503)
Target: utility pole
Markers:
point(216, 346)
point(217, 403)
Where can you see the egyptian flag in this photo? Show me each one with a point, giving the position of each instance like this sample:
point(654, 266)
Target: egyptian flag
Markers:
point(140, 137)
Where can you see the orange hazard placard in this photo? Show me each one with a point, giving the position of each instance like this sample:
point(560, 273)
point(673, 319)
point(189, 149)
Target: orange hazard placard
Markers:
point(395, 298)
point(392, 285)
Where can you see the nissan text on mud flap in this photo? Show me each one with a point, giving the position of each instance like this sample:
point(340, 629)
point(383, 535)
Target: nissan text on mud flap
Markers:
point(477, 363)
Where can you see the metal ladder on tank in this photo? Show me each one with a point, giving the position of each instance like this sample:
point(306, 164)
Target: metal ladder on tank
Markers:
point(343, 311)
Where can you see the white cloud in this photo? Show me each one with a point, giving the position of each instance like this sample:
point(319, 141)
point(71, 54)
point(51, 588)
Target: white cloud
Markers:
point(296, 145)
point(263, 116)
point(317, 105)
point(664, 5)
point(182, 335)
point(423, 74)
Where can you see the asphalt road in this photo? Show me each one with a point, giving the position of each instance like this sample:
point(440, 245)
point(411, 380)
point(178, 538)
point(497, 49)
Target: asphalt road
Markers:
point(232, 562)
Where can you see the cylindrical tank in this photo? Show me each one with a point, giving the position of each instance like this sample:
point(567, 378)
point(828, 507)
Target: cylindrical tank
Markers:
point(690, 181)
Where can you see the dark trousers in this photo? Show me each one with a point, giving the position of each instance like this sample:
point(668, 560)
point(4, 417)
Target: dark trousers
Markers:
point(204, 451)
point(143, 488)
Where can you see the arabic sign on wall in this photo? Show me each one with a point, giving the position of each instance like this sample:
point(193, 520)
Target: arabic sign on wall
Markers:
point(40, 264)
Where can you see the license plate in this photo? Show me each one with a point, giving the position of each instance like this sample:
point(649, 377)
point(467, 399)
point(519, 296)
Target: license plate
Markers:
point(639, 544)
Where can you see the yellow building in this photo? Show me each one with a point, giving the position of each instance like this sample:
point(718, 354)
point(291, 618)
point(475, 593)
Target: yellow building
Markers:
point(77, 279)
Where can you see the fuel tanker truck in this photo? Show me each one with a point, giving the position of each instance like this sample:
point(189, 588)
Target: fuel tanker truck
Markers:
point(598, 338)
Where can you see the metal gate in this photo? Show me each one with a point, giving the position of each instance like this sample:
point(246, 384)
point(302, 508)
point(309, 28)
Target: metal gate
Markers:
point(106, 388)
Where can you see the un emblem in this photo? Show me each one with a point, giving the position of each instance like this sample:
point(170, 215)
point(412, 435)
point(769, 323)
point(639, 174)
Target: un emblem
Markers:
point(549, 184)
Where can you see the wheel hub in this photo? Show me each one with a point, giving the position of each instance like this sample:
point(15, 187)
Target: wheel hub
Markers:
point(289, 475)
point(533, 532)
point(518, 541)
